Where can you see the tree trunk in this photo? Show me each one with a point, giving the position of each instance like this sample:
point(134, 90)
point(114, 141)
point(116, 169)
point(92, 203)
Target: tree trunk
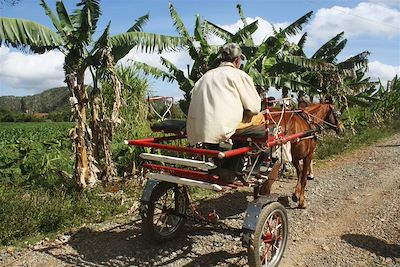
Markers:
point(353, 130)
point(101, 132)
point(96, 110)
point(102, 125)
point(85, 168)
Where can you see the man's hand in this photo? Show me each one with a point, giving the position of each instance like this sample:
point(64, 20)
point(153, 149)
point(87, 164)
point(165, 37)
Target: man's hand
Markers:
point(247, 115)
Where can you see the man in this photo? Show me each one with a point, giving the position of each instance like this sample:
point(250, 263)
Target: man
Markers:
point(223, 100)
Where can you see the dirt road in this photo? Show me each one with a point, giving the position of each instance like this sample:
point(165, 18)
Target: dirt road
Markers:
point(352, 219)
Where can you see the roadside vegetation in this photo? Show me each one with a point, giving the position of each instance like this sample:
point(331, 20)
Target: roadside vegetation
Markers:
point(43, 187)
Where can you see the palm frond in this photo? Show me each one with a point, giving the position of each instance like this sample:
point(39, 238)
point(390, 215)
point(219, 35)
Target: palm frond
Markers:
point(123, 50)
point(177, 73)
point(25, 34)
point(256, 58)
point(290, 82)
point(241, 14)
point(296, 26)
point(325, 48)
point(103, 40)
point(178, 23)
point(56, 22)
point(64, 17)
point(302, 41)
point(358, 61)
point(309, 64)
point(218, 31)
point(87, 19)
point(153, 71)
point(148, 42)
point(258, 78)
point(198, 35)
point(249, 40)
point(361, 86)
point(139, 23)
point(244, 35)
point(185, 84)
point(281, 67)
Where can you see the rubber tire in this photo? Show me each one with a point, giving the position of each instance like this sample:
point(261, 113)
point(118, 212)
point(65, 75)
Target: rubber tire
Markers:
point(254, 249)
point(149, 230)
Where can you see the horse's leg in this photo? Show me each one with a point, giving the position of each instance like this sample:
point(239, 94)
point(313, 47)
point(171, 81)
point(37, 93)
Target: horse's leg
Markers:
point(296, 194)
point(310, 175)
point(306, 166)
point(272, 177)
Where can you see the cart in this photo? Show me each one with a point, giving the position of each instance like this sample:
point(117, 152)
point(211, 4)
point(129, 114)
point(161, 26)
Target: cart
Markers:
point(172, 166)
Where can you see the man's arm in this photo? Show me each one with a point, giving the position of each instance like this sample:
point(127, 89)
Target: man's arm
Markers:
point(249, 96)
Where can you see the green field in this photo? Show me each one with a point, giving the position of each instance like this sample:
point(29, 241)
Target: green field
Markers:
point(35, 199)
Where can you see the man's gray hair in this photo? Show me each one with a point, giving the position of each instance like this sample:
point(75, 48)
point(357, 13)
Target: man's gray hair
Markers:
point(230, 51)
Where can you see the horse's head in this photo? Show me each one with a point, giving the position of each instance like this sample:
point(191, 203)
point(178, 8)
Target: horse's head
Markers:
point(326, 114)
point(333, 119)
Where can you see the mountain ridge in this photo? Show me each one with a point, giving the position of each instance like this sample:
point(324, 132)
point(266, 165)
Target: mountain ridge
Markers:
point(51, 100)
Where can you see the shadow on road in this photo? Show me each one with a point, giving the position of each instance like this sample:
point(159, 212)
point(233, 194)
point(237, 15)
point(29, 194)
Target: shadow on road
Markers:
point(125, 245)
point(388, 145)
point(374, 245)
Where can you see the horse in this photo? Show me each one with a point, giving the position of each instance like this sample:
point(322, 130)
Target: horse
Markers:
point(314, 116)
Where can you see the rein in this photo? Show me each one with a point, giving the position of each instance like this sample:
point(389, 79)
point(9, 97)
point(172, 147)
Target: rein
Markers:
point(323, 121)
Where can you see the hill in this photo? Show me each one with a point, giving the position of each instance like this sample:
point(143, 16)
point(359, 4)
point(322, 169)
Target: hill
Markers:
point(55, 99)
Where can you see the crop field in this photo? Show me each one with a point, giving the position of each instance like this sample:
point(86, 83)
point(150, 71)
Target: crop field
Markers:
point(31, 153)
point(35, 199)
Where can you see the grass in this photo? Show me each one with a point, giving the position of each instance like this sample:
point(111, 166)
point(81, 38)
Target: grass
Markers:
point(27, 213)
point(332, 145)
point(34, 199)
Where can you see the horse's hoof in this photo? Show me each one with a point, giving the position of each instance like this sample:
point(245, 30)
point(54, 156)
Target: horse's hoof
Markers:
point(294, 198)
point(310, 177)
point(301, 207)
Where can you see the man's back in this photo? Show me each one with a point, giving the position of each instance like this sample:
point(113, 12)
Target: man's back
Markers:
point(218, 101)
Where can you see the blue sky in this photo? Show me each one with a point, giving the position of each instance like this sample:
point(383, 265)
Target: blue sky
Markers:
point(371, 25)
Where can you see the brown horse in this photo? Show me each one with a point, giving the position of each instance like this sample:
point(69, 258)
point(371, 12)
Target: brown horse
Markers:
point(315, 116)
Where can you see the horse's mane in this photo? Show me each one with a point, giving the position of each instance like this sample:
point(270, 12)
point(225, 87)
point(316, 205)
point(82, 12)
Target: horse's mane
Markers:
point(312, 108)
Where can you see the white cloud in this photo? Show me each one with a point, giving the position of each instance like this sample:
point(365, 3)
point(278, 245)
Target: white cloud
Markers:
point(178, 58)
point(393, 3)
point(367, 19)
point(158, 87)
point(25, 74)
point(264, 29)
point(384, 72)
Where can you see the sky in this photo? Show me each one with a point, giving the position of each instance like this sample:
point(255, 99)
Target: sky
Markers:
point(371, 25)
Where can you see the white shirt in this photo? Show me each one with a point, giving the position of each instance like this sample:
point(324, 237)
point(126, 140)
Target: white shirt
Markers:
point(218, 101)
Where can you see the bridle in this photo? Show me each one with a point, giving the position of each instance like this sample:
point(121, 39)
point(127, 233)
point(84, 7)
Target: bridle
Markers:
point(336, 114)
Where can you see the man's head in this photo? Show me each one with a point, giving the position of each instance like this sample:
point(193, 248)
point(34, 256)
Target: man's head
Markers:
point(231, 52)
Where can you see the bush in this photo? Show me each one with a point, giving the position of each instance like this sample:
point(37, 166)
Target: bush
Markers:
point(333, 145)
point(28, 212)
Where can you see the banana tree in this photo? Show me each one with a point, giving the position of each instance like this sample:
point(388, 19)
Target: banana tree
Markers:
point(275, 62)
point(74, 38)
point(203, 55)
point(343, 82)
point(388, 105)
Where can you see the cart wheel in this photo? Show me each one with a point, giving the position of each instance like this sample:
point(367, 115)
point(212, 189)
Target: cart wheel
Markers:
point(270, 236)
point(163, 218)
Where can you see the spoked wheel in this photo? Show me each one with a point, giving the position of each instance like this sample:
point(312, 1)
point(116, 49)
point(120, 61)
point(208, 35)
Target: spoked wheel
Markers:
point(270, 236)
point(163, 218)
